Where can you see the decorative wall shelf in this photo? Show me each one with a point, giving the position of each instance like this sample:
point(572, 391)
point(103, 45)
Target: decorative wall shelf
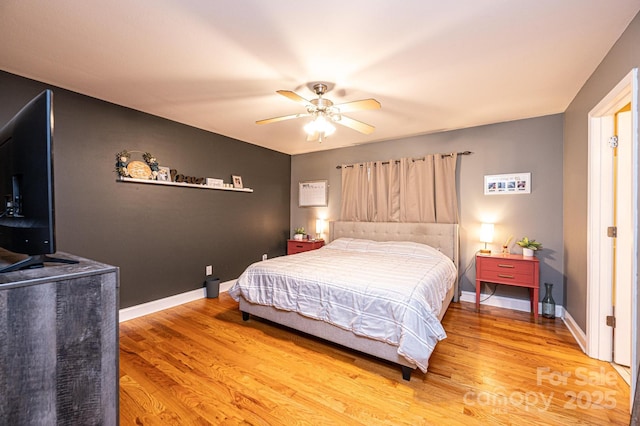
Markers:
point(189, 185)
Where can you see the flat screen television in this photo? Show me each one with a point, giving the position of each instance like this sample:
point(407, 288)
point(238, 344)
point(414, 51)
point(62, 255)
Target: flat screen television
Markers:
point(27, 214)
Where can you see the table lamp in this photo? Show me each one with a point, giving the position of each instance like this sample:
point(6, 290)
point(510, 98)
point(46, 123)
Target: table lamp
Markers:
point(486, 236)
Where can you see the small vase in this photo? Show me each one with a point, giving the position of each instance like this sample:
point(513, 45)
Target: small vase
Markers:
point(297, 237)
point(527, 252)
point(548, 304)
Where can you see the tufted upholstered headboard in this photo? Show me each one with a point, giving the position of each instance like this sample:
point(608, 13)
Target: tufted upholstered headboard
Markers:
point(443, 236)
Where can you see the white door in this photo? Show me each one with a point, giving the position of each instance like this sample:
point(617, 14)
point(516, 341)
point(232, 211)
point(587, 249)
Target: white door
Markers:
point(623, 246)
point(599, 342)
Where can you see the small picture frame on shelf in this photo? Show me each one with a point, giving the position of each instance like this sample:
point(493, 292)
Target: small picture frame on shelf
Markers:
point(237, 181)
point(164, 174)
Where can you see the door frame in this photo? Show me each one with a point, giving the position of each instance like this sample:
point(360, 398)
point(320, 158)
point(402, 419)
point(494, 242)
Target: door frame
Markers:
point(599, 341)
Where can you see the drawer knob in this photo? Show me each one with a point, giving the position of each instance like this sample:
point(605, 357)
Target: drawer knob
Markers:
point(505, 276)
point(502, 265)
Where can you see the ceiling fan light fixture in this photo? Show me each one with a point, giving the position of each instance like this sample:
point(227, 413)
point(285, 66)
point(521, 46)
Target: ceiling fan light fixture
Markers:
point(324, 113)
point(320, 125)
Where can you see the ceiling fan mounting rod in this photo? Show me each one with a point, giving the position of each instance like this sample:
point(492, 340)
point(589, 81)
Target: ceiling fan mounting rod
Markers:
point(320, 88)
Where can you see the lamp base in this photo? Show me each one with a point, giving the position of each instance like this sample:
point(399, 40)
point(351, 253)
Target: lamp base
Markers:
point(485, 251)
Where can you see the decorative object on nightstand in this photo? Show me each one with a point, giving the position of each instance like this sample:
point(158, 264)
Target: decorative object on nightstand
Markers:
point(548, 304)
point(509, 269)
point(298, 234)
point(505, 246)
point(486, 236)
point(529, 246)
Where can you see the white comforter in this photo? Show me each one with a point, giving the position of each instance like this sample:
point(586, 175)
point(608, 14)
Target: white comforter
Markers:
point(389, 291)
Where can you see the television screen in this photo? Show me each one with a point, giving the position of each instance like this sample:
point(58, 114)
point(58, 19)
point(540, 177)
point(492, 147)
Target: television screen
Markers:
point(26, 184)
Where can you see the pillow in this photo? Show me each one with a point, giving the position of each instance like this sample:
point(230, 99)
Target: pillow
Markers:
point(351, 244)
point(398, 248)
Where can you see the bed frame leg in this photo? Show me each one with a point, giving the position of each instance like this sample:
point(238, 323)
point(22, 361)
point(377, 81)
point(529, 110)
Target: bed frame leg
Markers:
point(406, 372)
point(245, 316)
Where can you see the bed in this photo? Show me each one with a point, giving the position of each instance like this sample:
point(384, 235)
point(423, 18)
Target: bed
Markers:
point(260, 290)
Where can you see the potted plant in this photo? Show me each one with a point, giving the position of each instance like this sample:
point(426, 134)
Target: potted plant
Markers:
point(298, 233)
point(529, 246)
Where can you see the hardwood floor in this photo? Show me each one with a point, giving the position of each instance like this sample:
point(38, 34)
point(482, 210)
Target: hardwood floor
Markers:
point(200, 364)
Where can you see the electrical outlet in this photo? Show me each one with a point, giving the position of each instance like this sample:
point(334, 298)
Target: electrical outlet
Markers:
point(209, 270)
point(264, 256)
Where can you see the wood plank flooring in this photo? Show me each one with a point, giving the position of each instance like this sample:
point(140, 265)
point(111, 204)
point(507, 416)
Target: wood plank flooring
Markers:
point(200, 364)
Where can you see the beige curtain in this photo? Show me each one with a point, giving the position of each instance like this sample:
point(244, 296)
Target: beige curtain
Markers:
point(357, 201)
point(387, 198)
point(407, 190)
point(445, 189)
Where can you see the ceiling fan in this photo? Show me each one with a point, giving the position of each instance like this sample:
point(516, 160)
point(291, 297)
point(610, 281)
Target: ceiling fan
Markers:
point(324, 112)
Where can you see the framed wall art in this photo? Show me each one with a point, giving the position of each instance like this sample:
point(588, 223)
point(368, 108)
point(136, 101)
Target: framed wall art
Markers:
point(313, 193)
point(513, 183)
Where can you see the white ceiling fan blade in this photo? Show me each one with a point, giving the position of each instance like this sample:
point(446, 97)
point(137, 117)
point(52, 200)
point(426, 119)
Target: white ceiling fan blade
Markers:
point(360, 105)
point(356, 125)
point(294, 97)
point(282, 118)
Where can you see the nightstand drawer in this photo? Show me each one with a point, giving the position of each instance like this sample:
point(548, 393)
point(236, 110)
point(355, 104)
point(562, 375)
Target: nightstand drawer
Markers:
point(525, 279)
point(299, 246)
point(507, 266)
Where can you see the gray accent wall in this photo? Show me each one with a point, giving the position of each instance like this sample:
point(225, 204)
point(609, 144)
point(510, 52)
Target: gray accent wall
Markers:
point(160, 237)
point(532, 145)
point(621, 59)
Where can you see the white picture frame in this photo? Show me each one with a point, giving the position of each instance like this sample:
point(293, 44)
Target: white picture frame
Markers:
point(164, 174)
point(313, 193)
point(507, 184)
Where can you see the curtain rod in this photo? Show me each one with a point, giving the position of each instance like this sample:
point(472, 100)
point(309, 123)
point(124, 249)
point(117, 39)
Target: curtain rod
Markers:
point(417, 159)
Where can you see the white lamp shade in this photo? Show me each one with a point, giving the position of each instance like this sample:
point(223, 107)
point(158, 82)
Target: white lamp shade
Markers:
point(486, 233)
point(319, 226)
point(320, 125)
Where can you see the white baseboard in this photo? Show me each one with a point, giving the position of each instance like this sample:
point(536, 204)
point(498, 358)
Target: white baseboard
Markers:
point(132, 312)
point(466, 296)
point(506, 303)
point(576, 331)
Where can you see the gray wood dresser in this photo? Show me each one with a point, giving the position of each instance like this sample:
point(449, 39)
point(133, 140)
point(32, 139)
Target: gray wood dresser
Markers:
point(59, 344)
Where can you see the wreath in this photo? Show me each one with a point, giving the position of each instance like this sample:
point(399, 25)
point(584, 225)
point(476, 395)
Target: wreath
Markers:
point(122, 159)
point(152, 162)
point(125, 167)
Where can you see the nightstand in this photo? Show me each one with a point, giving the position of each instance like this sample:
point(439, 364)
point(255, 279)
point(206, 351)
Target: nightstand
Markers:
point(509, 269)
point(298, 246)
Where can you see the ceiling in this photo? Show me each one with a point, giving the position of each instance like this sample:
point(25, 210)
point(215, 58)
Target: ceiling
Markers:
point(216, 65)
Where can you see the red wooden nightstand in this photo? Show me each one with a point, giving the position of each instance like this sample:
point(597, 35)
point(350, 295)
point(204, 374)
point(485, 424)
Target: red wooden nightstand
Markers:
point(298, 246)
point(509, 269)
